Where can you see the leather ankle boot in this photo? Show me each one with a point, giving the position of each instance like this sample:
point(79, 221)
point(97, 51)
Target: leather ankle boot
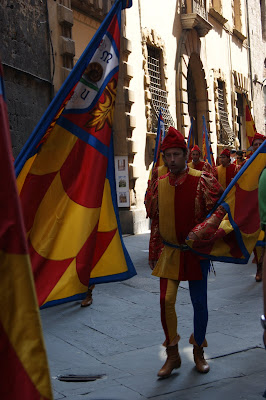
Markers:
point(173, 361)
point(201, 364)
point(258, 277)
point(198, 354)
point(88, 299)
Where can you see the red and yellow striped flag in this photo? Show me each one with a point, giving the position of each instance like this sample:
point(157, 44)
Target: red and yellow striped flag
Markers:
point(236, 236)
point(66, 178)
point(24, 367)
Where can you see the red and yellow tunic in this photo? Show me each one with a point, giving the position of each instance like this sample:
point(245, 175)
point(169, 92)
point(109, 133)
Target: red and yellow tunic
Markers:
point(201, 166)
point(226, 174)
point(178, 204)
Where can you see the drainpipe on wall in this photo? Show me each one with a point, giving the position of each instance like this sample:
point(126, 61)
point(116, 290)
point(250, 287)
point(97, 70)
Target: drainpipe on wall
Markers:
point(140, 25)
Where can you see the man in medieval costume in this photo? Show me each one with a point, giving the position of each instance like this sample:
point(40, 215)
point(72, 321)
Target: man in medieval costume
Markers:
point(177, 202)
point(226, 171)
point(197, 163)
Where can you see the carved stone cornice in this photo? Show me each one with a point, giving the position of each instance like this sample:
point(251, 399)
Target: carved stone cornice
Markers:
point(239, 35)
point(217, 16)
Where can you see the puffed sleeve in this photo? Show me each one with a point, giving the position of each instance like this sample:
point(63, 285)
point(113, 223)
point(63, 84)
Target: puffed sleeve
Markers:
point(208, 168)
point(208, 193)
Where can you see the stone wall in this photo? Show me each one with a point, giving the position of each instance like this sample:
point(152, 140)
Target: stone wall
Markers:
point(257, 61)
point(24, 51)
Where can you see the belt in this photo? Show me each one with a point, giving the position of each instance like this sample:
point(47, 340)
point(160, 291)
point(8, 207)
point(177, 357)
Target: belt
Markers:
point(181, 247)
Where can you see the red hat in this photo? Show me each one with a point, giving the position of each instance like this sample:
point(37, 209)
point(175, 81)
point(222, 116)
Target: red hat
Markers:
point(174, 138)
point(225, 152)
point(195, 148)
point(258, 136)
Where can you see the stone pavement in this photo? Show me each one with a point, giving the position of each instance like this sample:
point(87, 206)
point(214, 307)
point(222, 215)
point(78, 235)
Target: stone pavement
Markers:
point(120, 337)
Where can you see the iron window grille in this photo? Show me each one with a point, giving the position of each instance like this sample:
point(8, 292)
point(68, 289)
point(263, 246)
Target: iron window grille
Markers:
point(158, 95)
point(226, 135)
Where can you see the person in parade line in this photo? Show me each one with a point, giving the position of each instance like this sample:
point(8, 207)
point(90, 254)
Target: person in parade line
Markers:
point(262, 210)
point(240, 160)
point(258, 139)
point(233, 155)
point(226, 171)
point(176, 202)
point(258, 250)
point(196, 163)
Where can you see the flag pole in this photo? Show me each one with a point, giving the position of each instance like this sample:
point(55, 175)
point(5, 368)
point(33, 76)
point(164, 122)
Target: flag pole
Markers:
point(207, 145)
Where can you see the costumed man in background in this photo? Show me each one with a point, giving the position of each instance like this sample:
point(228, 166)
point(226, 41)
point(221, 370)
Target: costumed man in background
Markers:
point(226, 171)
point(196, 163)
point(258, 139)
point(256, 142)
point(258, 250)
point(240, 160)
point(177, 202)
point(262, 209)
point(233, 155)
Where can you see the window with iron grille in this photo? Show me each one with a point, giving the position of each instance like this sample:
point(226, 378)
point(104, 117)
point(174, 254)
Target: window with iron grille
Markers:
point(240, 116)
point(226, 135)
point(158, 95)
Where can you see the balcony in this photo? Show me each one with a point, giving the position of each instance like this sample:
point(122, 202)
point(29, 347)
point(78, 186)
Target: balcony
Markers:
point(194, 16)
point(94, 8)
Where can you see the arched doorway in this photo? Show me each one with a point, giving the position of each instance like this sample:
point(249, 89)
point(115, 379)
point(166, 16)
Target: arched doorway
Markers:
point(197, 95)
point(192, 88)
point(192, 103)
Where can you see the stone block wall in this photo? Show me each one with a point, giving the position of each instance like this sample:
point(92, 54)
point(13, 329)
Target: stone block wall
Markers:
point(24, 51)
point(257, 25)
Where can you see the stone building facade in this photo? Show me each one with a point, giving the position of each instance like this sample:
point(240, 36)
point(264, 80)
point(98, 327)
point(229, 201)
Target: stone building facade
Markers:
point(25, 55)
point(191, 58)
point(257, 59)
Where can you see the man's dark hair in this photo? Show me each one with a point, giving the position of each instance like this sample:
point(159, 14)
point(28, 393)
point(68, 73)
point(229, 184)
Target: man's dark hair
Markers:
point(239, 153)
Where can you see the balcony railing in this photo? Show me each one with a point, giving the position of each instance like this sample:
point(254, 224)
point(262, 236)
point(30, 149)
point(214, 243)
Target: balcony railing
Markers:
point(226, 135)
point(194, 7)
point(194, 16)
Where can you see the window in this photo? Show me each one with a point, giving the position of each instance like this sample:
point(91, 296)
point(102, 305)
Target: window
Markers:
point(217, 5)
point(226, 135)
point(158, 94)
point(237, 15)
point(240, 116)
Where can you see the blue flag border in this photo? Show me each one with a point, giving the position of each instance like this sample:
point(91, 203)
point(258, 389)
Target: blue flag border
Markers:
point(110, 175)
point(207, 144)
point(158, 137)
